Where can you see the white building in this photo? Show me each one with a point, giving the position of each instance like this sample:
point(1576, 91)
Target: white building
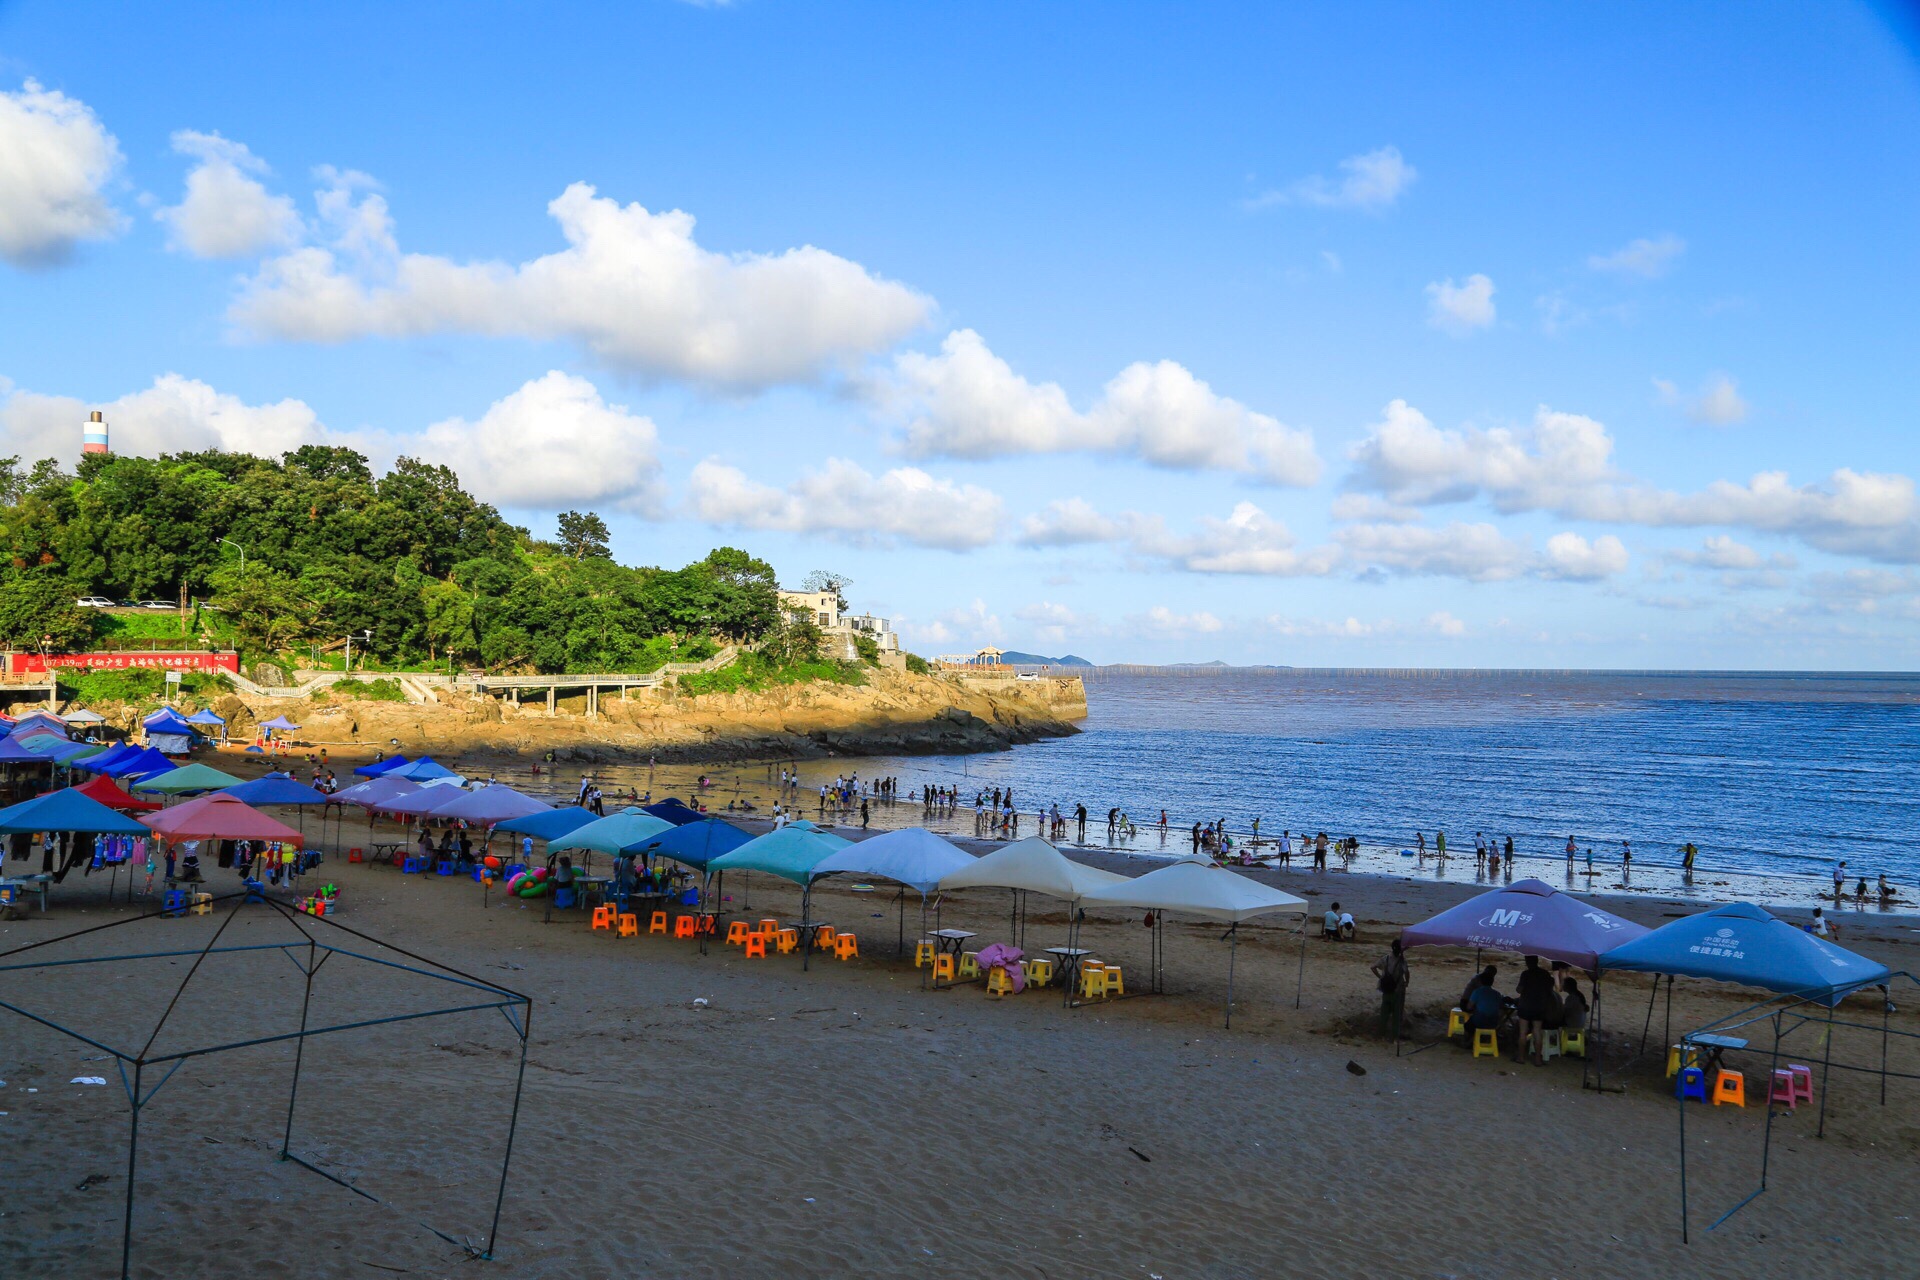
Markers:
point(839, 630)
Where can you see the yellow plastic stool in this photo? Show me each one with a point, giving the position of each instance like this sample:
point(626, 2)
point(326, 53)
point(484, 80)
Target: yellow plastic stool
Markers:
point(1675, 1054)
point(943, 967)
point(970, 965)
point(788, 939)
point(1093, 981)
point(1039, 972)
point(922, 953)
point(657, 923)
point(1486, 1043)
point(998, 983)
point(1456, 1022)
point(1115, 987)
point(846, 946)
point(1575, 1042)
point(1730, 1087)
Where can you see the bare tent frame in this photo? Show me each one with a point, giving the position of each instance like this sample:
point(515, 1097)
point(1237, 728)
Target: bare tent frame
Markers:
point(140, 1086)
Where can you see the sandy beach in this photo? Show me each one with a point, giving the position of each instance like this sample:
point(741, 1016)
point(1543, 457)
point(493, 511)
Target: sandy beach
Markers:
point(706, 1115)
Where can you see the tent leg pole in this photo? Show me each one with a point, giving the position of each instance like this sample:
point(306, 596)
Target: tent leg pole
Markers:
point(1681, 1102)
point(299, 1053)
point(133, 1151)
point(1233, 946)
point(1300, 975)
point(1826, 1062)
point(1646, 1028)
point(806, 927)
point(1666, 1033)
point(1766, 1139)
point(1886, 1011)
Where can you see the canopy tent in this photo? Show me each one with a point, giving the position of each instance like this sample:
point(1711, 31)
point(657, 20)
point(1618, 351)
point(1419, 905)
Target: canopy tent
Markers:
point(1529, 918)
point(68, 809)
point(186, 780)
point(84, 716)
point(168, 731)
point(278, 722)
point(425, 769)
point(1740, 943)
point(1212, 893)
point(913, 856)
point(40, 720)
point(109, 793)
point(1031, 865)
point(375, 792)
point(143, 762)
point(616, 833)
point(205, 717)
point(489, 806)
point(220, 817)
point(111, 756)
point(14, 751)
point(61, 751)
point(549, 824)
point(426, 798)
point(275, 788)
point(676, 811)
point(698, 843)
point(791, 853)
point(380, 768)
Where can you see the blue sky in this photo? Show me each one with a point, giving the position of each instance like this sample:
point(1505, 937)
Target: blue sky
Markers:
point(1389, 335)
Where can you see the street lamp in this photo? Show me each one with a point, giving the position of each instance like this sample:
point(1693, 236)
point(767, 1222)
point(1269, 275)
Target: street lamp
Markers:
point(243, 554)
point(364, 635)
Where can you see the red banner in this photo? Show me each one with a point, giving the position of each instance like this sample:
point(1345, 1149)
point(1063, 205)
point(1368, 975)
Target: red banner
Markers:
point(34, 664)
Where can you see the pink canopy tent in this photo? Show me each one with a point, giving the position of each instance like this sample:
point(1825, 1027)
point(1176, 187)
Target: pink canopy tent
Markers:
point(220, 817)
point(1529, 918)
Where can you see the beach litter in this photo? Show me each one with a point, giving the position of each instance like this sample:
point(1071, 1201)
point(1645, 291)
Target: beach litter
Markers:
point(89, 1080)
point(1355, 1068)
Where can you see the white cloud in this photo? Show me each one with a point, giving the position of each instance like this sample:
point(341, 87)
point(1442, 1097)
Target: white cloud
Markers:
point(1248, 541)
point(226, 212)
point(632, 287)
point(1563, 465)
point(1053, 622)
point(1718, 404)
point(1476, 552)
point(1365, 506)
point(1369, 182)
point(1443, 623)
point(974, 624)
point(174, 415)
point(1318, 628)
point(56, 159)
point(1163, 621)
point(1647, 258)
point(1572, 558)
point(1459, 309)
point(845, 502)
point(553, 443)
point(1720, 552)
point(966, 402)
point(1069, 522)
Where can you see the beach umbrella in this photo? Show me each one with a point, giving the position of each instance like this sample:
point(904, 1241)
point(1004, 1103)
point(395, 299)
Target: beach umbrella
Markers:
point(1530, 918)
point(549, 824)
point(489, 806)
point(675, 810)
point(616, 833)
point(1212, 893)
point(220, 817)
point(109, 793)
point(380, 768)
point(186, 780)
point(66, 810)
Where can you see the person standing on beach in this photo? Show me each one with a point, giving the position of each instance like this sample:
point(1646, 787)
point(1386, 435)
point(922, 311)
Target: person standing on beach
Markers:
point(1509, 851)
point(1571, 850)
point(1440, 845)
point(1420, 843)
point(865, 817)
point(1391, 971)
point(1479, 852)
point(1286, 848)
point(1688, 852)
point(1839, 880)
point(1080, 817)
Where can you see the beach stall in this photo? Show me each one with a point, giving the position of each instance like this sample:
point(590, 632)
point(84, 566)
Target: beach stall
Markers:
point(279, 724)
point(188, 779)
point(220, 817)
point(380, 768)
point(622, 832)
point(676, 811)
point(107, 759)
point(489, 806)
point(791, 853)
point(1032, 865)
point(110, 793)
point(281, 788)
point(549, 824)
point(209, 723)
point(423, 770)
point(1212, 893)
point(911, 857)
point(72, 815)
point(168, 732)
point(141, 762)
point(698, 843)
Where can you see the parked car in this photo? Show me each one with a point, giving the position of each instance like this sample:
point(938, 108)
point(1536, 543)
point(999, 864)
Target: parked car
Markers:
point(158, 604)
point(94, 602)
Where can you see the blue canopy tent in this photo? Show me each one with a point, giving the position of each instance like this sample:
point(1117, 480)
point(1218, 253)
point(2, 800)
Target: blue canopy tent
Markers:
point(1740, 943)
point(40, 720)
point(550, 825)
point(275, 788)
point(425, 769)
point(67, 810)
point(381, 768)
point(205, 719)
point(14, 751)
point(140, 764)
point(107, 759)
point(697, 843)
point(168, 731)
point(791, 853)
point(676, 811)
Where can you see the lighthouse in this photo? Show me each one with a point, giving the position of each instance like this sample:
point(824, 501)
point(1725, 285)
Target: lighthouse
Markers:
point(94, 439)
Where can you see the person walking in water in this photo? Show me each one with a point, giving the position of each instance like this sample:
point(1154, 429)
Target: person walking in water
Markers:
point(1571, 850)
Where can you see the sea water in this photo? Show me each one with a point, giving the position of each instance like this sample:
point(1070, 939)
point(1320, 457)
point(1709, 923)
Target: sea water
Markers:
point(1774, 776)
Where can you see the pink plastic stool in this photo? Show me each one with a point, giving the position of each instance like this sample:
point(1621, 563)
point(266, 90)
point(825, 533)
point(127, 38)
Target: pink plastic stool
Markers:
point(1802, 1081)
point(1782, 1088)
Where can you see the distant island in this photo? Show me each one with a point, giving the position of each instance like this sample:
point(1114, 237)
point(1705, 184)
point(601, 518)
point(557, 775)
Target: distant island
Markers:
point(1013, 657)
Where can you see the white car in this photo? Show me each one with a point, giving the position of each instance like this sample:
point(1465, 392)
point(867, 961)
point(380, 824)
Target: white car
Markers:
point(94, 602)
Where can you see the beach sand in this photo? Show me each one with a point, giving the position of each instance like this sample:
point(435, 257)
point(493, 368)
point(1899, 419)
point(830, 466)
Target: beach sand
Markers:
point(844, 1120)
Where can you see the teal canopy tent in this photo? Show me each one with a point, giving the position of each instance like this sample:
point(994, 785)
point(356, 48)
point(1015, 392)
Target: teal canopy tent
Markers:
point(188, 779)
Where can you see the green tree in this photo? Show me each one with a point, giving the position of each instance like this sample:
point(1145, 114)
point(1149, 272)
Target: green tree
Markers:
point(583, 535)
point(36, 607)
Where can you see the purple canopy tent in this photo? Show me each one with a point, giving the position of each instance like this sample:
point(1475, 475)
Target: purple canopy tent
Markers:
point(1531, 918)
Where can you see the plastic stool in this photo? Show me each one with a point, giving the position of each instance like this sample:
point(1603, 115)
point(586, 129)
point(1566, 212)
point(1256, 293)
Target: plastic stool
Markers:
point(202, 904)
point(603, 918)
point(1802, 1081)
point(1573, 1042)
point(683, 926)
point(444, 868)
point(1093, 981)
point(768, 926)
point(823, 936)
point(756, 945)
point(1456, 1023)
point(1115, 987)
point(629, 925)
point(943, 967)
point(355, 854)
point(922, 953)
point(1729, 1087)
point(658, 924)
point(1680, 1055)
point(1486, 1042)
point(1549, 1044)
point(412, 867)
point(788, 940)
point(176, 902)
point(708, 923)
point(845, 946)
point(1692, 1084)
point(1782, 1090)
point(970, 965)
point(998, 983)
point(736, 932)
point(1039, 972)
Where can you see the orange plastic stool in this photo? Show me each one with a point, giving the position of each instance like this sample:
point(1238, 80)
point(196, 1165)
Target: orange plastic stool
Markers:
point(823, 937)
point(1730, 1087)
point(658, 924)
point(768, 926)
point(603, 917)
point(683, 926)
point(756, 946)
point(629, 925)
point(943, 967)
point(845, 946)
point(708, 923)
point(789, 940)
point(998, 983)
point(736, 932)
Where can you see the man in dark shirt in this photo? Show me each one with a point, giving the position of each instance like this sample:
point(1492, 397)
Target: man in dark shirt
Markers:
point(1534, 1006)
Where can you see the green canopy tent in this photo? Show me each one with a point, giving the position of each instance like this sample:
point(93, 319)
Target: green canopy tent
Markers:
point(791, 853)
point(188, 779)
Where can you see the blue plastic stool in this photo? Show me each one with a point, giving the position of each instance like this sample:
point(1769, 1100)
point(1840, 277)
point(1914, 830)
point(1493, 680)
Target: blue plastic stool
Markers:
point(563, 899)
point(413, 866)
point(444, 868)
point(256, 892)
point(513, 869)
point(479, 873)
point(176, 902)
point(1693, 1084)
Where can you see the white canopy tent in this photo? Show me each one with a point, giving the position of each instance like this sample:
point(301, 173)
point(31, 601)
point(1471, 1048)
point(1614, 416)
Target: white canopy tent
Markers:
point(1028, 866)
point(1212, 893)
point(913, 857)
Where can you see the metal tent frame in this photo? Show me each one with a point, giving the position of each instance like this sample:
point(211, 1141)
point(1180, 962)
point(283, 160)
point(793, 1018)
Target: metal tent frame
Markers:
point(513, 1006)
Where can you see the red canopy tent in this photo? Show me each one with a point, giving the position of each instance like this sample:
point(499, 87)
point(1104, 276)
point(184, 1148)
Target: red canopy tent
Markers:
point(220, 817)
point(111, 794)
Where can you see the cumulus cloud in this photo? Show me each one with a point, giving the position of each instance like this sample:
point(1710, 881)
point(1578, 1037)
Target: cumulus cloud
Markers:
point(1563, 465)
point(1053, 622)
point(1162, 621)
point(1369, 182)
point(56, 159)
point(226, 212)
point(1718, 403)
point(1722, 552)
point(1647, 258)
point(973, 623)
point(1443, 623)
point(843, 501)
point(174, 415)
point(1572, 558)
point(1069, 522)
point(1248, 541)
point(588, 451)
point(1459, 309)
point(1476, 552)
point(967, 402)
point(632, 286)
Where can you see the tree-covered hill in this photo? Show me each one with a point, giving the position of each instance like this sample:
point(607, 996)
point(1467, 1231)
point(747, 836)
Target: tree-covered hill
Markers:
point(330, 550)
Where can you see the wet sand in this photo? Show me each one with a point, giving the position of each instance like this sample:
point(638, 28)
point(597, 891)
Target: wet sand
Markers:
point(845, 1120)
